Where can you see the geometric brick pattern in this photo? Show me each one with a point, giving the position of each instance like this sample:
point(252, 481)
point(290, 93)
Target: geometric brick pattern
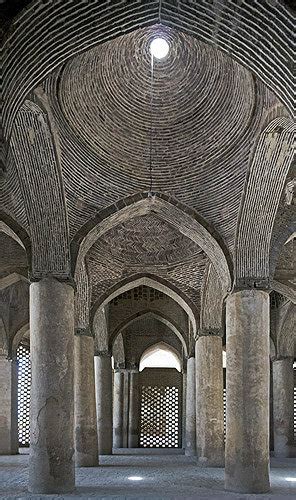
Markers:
point(159, 417)
point(23, 394)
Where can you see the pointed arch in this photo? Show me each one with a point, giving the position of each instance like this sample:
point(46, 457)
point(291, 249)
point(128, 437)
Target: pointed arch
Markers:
point(150, 314)
point(181, 218)
point(152, 282)
point(161, 346)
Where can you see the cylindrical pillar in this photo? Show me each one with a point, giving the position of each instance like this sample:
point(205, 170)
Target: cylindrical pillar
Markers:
point(86, 442)
point(118, 409)
point(103, 377)
point(190, 422)
point(247, 392)
point(51, 465)
point(8, 407)
point(283, 403)
point(133, 416)
point(209, 401)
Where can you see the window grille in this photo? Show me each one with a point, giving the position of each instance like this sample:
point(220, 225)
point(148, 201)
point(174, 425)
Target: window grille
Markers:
point(224, 412)
point(23, 394)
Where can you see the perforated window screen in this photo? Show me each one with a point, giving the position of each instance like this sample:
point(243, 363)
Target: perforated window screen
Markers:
point(159, 417)
point(161, 408)
point(224, 409)
point(23, 394)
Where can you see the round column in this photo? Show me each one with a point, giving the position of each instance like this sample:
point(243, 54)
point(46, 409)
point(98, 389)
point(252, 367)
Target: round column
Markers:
point(133, 416)
point(247, 392)
point(103, 377)
point(118, 409)
point(209, 401)
point(86, 442)
point(51, 465)
point(190, 420)
point(283, 404)
point(8, 406)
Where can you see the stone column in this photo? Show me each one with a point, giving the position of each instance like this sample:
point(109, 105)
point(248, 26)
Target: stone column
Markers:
point(8, 407)
point(103, 377)
point(133, 415)
point(86, 439)
point(190, 422)
point(126, 381)
point(118, 409)
point(283, 403)
point(247, 392)
point(51, 465)
point(209, 400)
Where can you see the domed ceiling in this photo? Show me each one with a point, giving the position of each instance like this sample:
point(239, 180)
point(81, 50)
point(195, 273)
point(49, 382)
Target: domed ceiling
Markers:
point(202, 111)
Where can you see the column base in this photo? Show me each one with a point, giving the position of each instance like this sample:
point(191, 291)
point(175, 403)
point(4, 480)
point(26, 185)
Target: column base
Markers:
point(244, 483)
point(82, 460)
point(214, 463)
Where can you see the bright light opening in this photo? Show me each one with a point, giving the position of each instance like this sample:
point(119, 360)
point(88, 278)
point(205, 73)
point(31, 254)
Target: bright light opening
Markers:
point(159, 48)
point(159, 356)
point(291, 479)
point(224, 358)
point(135, 478)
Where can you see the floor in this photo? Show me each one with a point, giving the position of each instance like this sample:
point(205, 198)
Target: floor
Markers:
point(157, 476)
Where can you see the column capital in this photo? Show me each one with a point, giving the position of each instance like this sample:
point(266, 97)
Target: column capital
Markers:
point(282, 358)
point(131, 366)
point(67, 280)
point(247, 283)
point(83, 332)
point(104, 353)
point(210, 332)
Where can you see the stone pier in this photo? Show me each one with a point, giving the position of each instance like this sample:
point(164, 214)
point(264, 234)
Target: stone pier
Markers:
point(247, 392)
point(103, 383)
point(133, 414)
point(118, 409)
point(86, 441)
point(283, 405)
point(209, 400)
point(8, 407)
point(51, 464)
point(190, 417)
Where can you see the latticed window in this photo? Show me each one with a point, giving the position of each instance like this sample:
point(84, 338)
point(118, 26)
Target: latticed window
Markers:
point(23, 394)
point(159, 417)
